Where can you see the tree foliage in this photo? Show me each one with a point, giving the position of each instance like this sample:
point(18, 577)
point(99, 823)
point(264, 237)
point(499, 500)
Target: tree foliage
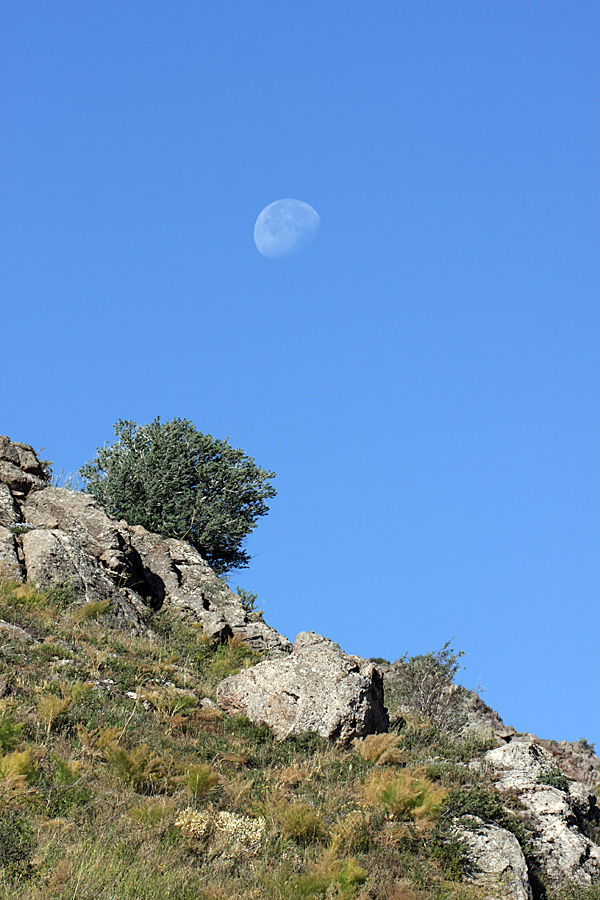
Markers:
point(178, 482)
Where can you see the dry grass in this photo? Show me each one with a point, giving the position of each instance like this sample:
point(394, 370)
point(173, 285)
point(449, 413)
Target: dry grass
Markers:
point(116, 783)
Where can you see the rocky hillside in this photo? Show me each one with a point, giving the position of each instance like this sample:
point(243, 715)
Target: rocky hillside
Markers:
point(159, 740)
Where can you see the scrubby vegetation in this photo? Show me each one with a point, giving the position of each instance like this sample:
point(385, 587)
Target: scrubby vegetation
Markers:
point(119, 780)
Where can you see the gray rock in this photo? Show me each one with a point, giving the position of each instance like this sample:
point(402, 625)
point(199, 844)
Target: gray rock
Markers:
point(75, 542)
point(317, 688)
point(9, 511)
point(20, 468)
point(554, 816)
point(84, 520)
point(498, 864)
point(14, 632)
point(175, 574)
point(10, 566)
point(54, 558)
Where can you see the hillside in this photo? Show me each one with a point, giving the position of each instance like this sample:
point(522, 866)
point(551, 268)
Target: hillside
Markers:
point(160, 740)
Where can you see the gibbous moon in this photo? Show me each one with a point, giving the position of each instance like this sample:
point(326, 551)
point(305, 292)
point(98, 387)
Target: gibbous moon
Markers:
point(285, 227)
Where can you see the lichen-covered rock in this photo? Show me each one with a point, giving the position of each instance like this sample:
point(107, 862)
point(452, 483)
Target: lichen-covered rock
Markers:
point(15, 632)
point(9, 511)
point(74, 541)
point(20, 468)
point(55, 558)
point(10, 565)
point(317, 688)
point(83, 519)
point(557, 818)
point(497, 861)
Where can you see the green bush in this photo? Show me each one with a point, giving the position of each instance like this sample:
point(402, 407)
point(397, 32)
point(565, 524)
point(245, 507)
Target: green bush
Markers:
point(555, 779)
point(17, 844)
point(178, 482)
point(487, 806)
point(426, 687)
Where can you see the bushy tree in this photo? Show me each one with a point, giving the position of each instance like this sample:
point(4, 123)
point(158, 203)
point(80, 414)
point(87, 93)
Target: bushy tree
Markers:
point(178, 482)
point(427, 687)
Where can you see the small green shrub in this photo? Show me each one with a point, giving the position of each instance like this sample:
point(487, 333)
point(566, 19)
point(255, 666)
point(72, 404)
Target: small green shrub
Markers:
point(331, 877)
point(555, 779)
point(17, 845)
point(10, 733)
point(486, 805)
point(141, 768)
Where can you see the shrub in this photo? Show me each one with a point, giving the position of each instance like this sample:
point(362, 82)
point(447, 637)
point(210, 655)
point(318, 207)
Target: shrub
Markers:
point(427, 687)
point(17, 844)
point(140, 767)
point(487, 806)
point(10, 733)
point(19, 765)
point(555, 779)
point(330, 877)
point(178, 482)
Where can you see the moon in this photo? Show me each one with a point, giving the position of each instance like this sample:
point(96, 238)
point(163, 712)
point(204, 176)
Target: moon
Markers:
point(285, 227)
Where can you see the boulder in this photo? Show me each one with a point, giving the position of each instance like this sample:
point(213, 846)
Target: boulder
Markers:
point(20, 468)
point(54, 558)
point(317, 688)
point(9, 511)
point(74, 541)
point(557, 819)
point(15, 633)
point(84, 520)
point(10, 565)
point(497, 862)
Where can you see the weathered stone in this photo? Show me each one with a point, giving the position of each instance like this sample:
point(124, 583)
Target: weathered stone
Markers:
point(497, 861)
point(28, 460)
point(20, 468)
point(554, 816)
point(84, 520)
point(10, 567)
point(575, 759)
point(317, 688)
point(482, 720)
point(176, 574)
point(9, 511)
point(14, 632)
point(54, 558)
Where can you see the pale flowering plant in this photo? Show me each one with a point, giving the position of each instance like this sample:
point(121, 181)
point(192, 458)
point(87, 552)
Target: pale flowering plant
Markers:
point(20, 527)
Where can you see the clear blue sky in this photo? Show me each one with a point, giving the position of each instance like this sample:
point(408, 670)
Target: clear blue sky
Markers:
point(423, 378)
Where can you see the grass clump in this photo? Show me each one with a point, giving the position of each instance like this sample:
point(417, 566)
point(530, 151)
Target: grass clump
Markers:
point(406, 795)
point(301, 823)
point(115, 780)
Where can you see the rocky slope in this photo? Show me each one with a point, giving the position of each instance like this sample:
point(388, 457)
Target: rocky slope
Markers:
point(539, 831)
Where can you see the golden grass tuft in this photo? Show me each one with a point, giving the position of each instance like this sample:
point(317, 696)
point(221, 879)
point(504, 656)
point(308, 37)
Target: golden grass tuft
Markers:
point(380, 749)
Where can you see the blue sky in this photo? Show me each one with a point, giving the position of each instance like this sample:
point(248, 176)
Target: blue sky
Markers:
point(423, 377)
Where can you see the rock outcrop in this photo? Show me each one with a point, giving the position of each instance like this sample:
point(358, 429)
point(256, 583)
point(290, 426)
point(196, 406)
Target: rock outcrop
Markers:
point(317, 688)
point(497, 861)
point(54, 536)
point(558, 813)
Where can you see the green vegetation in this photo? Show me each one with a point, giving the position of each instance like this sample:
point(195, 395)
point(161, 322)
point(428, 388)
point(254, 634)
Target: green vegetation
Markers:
point(178, 482)
point(116, 780)
point(426, 687)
